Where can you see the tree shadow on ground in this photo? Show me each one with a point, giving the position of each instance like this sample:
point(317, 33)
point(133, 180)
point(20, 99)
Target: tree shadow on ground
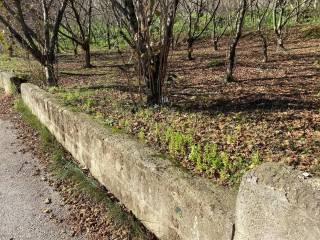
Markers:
point(249, 103)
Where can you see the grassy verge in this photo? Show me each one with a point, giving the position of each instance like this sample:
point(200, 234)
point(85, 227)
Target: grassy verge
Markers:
point(66, 170)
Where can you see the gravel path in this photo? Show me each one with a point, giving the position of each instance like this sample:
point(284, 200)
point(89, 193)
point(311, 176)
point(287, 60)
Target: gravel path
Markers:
point(29, 207)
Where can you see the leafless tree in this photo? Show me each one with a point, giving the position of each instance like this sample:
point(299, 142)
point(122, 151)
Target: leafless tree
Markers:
point(179, 29)
point(77, 26)
point(220, 25)
point(106, 16)
point(136, 18)
point(236, 35)
point(35, 25)
point(198, 18)
point(261, 8)
point(283, 12)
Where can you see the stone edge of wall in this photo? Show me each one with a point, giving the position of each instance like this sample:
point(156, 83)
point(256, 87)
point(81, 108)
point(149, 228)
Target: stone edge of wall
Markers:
point(273, 202)
point(10, 83)
point(277, 202)
point(6, 83)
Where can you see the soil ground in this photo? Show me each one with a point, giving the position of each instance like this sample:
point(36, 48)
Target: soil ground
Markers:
point(30, 208)
point(219, 130)
point(271, 110)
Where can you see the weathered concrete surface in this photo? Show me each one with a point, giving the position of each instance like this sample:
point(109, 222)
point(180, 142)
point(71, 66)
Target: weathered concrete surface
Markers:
point(170, 202)
point(6, 82)
point(10, 83)
point(278, 203)
point(22, 195)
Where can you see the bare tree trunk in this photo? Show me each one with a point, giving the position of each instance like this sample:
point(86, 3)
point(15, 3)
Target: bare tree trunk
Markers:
point(50, 74)
point(87, 54)
point(11, 46)
point(190, 49)
point(172, 44)
point(48, 62)
point(231, 61)
point(29, 39)
point(214, 35)
point(262, 13)
point(215, 44)
point(233, 46)
point(155, 84)
point(75, 48)
point(280, 41)
point(88, 40)
point(264, 47)
point(152, 61)
point(108, 36)
point(279, 22)
point(297, 13)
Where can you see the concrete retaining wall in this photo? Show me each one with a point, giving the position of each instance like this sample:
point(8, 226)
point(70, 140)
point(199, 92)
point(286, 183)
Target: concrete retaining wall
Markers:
point(6, 83)
point(170, 202)
point(274, 202)
point(10, 83)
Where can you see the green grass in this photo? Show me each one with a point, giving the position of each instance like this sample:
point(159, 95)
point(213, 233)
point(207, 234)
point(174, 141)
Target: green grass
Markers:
point(66, 170)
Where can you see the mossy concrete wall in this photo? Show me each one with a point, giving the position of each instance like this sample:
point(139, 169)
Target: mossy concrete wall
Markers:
point(7, 83)
point(170, 202)
point(11, 83)
point(274, 202)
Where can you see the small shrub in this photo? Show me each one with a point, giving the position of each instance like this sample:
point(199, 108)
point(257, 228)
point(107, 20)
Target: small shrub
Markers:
point(177, 142)
point(141, 134)
point(255, 159)
point(88, 104)
point(212, 158)
point(195, 156)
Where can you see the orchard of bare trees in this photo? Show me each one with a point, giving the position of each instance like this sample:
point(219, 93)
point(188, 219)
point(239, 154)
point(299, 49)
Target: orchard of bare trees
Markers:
point(216, 84)
point(148, 28)
point(211, 88)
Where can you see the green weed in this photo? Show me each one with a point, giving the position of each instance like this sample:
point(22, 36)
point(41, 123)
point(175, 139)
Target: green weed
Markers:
point(141, 134)
point(212, 158)
point(177, 142)
point(195, 156)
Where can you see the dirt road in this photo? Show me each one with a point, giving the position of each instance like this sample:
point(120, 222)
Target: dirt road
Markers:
point(29, 207)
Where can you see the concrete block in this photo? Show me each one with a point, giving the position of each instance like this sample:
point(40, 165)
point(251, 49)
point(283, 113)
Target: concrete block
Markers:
point(276, 202)
point(10, 83)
